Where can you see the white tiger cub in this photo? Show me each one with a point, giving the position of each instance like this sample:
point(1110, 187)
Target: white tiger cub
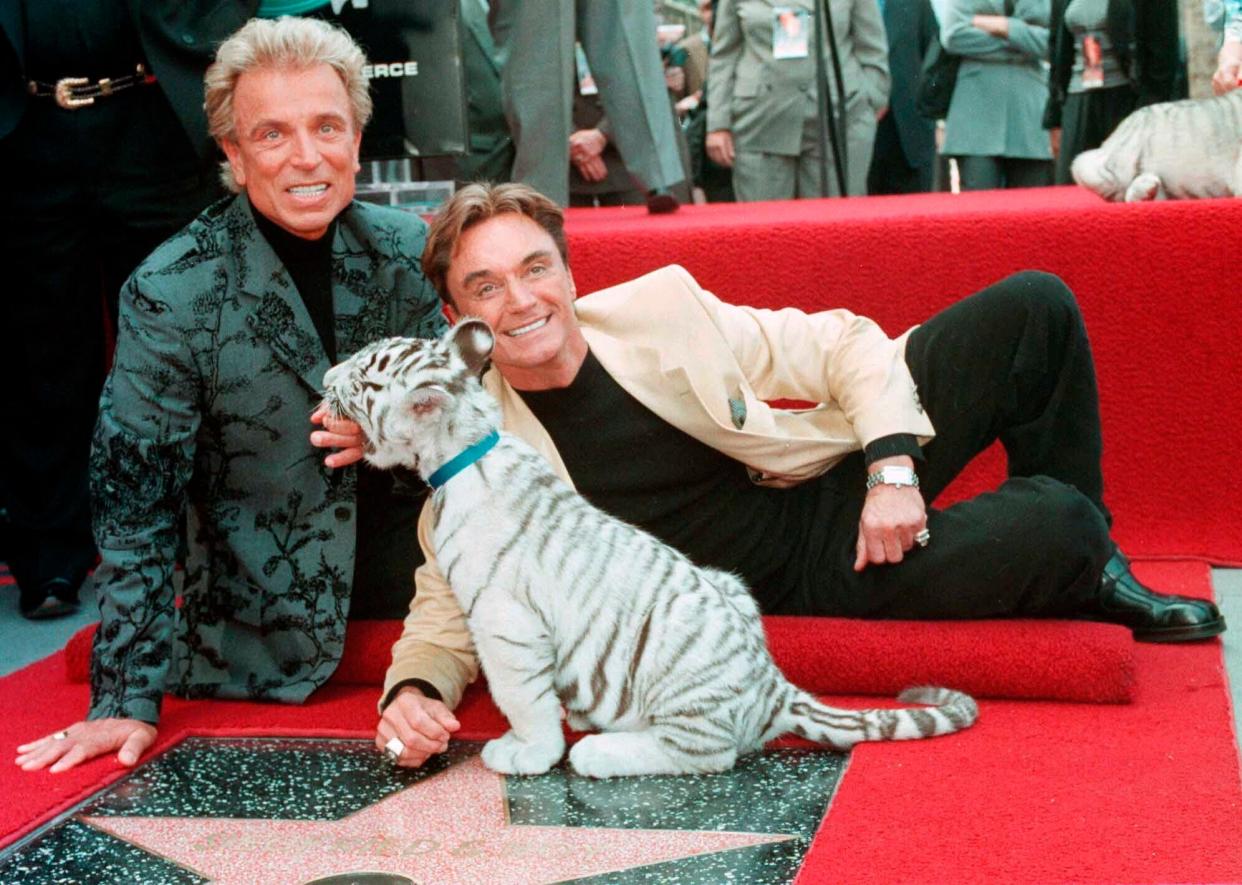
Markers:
point(1177, 149)
point(570, 606)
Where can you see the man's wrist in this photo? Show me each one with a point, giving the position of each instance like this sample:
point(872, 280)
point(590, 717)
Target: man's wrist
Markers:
point(422, 686)
point(888, 447)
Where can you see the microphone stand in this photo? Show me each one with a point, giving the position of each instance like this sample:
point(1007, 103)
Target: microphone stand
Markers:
point(831, 120)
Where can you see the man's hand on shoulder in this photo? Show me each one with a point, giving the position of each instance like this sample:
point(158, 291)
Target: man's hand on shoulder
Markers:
point(891, 517)
point(337, 433)
point(422, 724)
point(83, 741)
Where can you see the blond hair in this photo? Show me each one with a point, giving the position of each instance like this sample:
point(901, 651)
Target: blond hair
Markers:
point(476, 203)
point(286, 42)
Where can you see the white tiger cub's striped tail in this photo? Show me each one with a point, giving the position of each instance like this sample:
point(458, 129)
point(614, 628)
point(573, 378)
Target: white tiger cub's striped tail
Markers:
point(948, 711)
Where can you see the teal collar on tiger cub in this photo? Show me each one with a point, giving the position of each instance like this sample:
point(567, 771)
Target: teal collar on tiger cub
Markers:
point(463, 459)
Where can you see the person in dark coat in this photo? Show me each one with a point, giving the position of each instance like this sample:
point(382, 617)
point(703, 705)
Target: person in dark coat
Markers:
point(491, 146)
point(103, 133)
point(905, 141)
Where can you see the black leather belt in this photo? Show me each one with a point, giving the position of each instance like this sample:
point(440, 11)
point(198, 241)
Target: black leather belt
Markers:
point(72, 93)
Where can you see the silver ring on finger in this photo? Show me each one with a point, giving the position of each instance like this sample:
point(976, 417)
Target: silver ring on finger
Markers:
point(61, 735)
point(394, 748)
point(923, 538)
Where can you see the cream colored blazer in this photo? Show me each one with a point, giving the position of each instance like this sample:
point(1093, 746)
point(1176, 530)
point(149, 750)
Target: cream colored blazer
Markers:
point(707, 368)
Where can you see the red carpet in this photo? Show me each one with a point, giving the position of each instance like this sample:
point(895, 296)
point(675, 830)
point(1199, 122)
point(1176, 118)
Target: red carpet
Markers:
point(1157, 284)
point(1036, 791)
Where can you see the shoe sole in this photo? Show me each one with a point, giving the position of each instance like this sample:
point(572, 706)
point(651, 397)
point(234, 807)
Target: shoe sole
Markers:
point(50, 608)
point(1188, 633)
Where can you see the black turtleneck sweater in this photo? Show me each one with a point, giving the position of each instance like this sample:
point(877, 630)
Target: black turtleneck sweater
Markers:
point(389, 502)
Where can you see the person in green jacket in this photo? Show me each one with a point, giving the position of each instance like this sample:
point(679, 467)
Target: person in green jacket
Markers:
point(225, 333)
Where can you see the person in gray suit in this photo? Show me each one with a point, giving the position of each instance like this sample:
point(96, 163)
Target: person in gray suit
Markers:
point(536, 43)
point(225, 334)
point(905, 141)
point(762, 107)
point(995, 124)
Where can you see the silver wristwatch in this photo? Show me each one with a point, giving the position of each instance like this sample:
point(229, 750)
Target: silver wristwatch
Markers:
point(893, 476)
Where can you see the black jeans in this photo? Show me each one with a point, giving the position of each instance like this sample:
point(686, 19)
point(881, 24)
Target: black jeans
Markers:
point(1011, 363)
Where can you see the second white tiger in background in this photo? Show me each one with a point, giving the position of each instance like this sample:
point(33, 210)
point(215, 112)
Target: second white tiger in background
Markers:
point(1173, 150)
point(570, 606)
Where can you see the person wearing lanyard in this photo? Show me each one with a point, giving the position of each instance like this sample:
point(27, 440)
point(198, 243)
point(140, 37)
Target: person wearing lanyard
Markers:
point(1108, 57)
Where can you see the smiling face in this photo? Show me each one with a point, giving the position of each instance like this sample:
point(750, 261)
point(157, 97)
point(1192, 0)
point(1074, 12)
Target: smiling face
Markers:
point(295, 150)
point(508, 272)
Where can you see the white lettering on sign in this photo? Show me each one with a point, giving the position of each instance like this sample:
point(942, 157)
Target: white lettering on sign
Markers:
point(338, 5)
point(392, 69)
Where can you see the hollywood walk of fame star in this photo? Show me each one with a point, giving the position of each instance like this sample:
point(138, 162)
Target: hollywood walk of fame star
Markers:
point(448, 828)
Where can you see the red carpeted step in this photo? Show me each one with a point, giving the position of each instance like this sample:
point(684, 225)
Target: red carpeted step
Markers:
point(1048, 660)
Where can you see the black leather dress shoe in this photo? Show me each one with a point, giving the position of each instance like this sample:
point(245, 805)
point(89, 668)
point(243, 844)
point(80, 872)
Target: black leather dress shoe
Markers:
point(53, 599)
point(661, 201)
point(1154, 617)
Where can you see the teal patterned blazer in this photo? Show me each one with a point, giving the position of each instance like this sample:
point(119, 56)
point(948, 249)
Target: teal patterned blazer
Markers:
point(205, 418)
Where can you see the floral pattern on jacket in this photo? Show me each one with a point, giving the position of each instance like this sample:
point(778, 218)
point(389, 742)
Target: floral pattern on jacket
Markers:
point(204, 427)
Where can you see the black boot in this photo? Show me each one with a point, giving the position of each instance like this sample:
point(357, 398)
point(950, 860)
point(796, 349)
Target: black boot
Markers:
point(1154, 617)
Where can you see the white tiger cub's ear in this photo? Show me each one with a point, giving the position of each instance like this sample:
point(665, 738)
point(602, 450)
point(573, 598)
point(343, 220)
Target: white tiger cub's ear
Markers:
point(428, 399)
point(473, 340)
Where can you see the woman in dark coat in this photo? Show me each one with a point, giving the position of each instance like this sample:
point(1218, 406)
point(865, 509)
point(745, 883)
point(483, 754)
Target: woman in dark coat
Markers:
point(1108, 58)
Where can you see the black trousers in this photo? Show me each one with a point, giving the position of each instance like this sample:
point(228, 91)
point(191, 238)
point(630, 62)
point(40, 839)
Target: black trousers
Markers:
point(90, 193)
point(1010, 363)
point(891, 172)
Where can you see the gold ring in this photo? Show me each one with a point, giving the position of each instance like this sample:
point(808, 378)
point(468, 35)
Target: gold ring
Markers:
point(61, 735)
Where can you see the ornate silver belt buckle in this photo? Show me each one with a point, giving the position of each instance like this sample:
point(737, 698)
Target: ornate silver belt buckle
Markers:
point(64, 93)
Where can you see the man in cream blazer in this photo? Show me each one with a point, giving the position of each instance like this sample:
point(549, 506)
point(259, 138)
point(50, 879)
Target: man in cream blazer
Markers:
point(683, 378)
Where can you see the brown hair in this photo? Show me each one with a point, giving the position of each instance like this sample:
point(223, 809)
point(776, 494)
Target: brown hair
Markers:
point(476, 203)
point(286, 42)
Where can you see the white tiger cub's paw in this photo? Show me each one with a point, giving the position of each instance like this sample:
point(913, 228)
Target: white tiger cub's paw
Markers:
point(595, 756)
point(1144, 187)
point(510, 755)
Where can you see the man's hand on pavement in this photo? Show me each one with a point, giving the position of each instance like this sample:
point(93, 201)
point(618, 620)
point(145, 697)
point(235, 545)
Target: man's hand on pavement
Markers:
point(83, 741)
point(423, 725)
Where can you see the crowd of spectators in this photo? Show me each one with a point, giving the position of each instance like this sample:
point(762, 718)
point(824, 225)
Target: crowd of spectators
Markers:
point(1039, 81)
